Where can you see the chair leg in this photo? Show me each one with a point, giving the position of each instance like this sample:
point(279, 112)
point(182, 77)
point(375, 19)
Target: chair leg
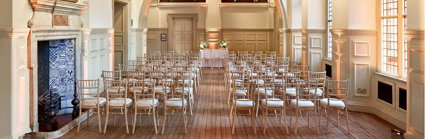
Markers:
point(348, 122)
point(106, 120)
point(308, 118)
point(320, 115)
point(126, 118)
point(337, 119)
point(265, 121)
point(327, 119)
point(135, 118)
point(154, 121)
point(184, 120)
point(88, 117)
point(296, 121)
point(98, 119)
point(79, 121)
point(315, 120)
point(284, 120)
point(253, 122)
point(234, 122)
point(164, 120)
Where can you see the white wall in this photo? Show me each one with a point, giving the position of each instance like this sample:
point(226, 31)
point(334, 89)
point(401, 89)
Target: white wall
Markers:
point(100, 14)
point(317, 17)
point(136, 5)
point(361, 14)
point(22, 12)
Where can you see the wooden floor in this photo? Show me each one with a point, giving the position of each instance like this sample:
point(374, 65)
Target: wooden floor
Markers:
point(211, 120)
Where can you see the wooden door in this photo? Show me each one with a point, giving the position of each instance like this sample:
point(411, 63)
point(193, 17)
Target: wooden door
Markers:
point(182, 34)
point(119, 35)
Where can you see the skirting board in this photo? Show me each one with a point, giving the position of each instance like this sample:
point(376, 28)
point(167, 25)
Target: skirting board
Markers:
point(372, 110)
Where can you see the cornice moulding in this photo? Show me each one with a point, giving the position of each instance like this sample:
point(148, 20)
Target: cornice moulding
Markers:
point(61, 7)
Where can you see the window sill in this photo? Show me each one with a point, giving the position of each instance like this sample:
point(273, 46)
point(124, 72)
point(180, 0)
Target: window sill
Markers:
point(391, 77)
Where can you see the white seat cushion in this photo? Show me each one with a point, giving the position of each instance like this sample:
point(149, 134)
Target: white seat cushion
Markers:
point(92, 101)
point(186, 90)
point(244, 103)
point(175, 102)
point(278, 80)
point(290, 75)
point(138, 89)
point(146, 102)
point(241, 92)
point(312, 91)
point(263, 91)
point(335, 103)
point(291, 91)
point(115, 89)
point(115, 102)
point(302, 103)
point(159, 89)
point(273, 102)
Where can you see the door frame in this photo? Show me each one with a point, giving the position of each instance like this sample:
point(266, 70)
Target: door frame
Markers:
point(170, 20)
point(126, 28)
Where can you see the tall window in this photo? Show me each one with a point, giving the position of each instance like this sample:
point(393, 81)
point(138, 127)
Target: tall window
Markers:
point(329, 28)
point(393, 44)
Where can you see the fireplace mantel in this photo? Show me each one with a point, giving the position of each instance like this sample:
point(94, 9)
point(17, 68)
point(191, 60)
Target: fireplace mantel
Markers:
point(57, 13)
point(59, 6)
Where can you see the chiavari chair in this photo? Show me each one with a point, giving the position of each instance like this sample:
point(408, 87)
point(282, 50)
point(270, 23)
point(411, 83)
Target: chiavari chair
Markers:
point(321, 82)
point(337, 97)
point(305, 102)
point(174, 101)
point(273, 103)
point(234, 75)
point(145, 100)
point(89, 97)
point(243, 102)
point(117, 99)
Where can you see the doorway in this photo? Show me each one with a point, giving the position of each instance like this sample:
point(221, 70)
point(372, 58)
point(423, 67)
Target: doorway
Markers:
point(120, 33)
point(182, 30)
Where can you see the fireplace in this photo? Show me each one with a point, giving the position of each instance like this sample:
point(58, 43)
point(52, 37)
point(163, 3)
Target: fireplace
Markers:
point(56, 80)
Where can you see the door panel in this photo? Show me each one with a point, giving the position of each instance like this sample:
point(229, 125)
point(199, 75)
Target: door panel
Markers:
point(119, 37)
point(182, 34)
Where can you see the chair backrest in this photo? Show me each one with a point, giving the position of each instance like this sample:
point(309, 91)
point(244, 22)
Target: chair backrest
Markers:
point(320, 77)
point(291, 79)
point(338, 89)
point(88, 88)
point(302, 86)
point(242, 85)
point(116, 89)
point(111, 75)
point(143, 89)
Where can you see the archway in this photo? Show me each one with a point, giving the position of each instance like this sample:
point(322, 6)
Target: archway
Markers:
point(143, 17)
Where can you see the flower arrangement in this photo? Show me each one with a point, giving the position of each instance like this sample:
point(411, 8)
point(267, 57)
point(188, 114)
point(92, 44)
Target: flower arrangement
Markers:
point(223, 44)
point(203, 45)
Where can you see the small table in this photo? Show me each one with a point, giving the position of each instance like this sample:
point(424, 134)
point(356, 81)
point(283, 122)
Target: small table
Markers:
point(213, 57)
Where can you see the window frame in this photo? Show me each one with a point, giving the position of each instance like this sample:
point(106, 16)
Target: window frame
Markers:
point(400, 54)
point(329, 27)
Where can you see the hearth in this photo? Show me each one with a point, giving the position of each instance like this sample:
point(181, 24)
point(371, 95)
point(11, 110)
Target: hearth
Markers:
point(56, 81)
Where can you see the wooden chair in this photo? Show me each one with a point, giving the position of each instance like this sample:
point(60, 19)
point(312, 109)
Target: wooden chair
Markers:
point(321, 83)
point(272, 103)
point(88, 94)
point(305, 101)
point(116, 96)
point(175, 101)
point(145, 100)
point(336, 99)
point(243, 102)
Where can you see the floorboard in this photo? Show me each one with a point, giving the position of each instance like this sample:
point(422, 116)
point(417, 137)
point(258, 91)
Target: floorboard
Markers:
point(211, 119)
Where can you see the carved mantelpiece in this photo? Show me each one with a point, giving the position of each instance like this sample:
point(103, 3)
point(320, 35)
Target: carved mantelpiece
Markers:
point(45, 12)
